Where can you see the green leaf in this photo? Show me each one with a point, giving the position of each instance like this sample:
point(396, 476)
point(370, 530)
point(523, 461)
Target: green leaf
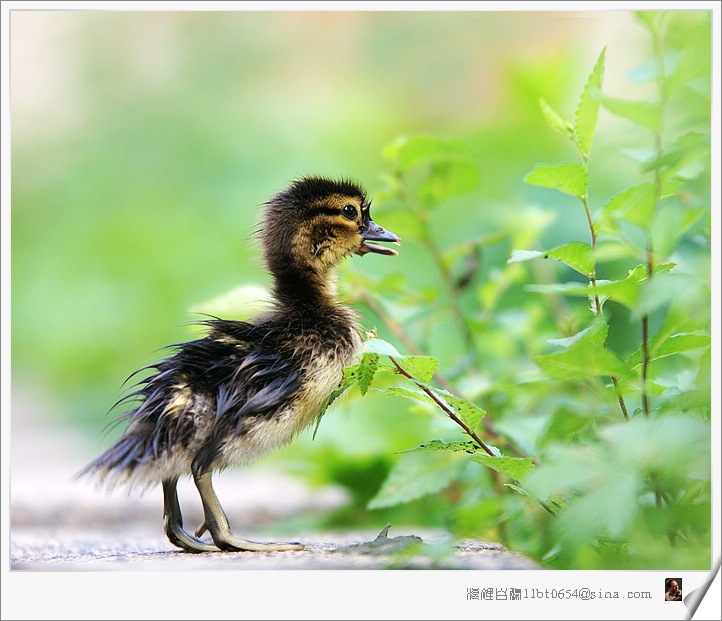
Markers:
point(380, 347)
point(643, 113)
point(441, 445)
point(570, 178)
point(469, 413)
point(421, 368)
point(584, 356)
point(349, 378)
point(556, 121)
point(576, 255)
point(623, 291)
point(687, 148)
point(514, 467)
point(416, 475)
point(524, 255)
point(366, 370)
point(448, 178)
point(585, 118)
point(668, 347)
point(635, 205)
point(400, 391)
point(416, 150)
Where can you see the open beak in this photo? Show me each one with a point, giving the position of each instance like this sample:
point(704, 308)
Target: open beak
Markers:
point(373, 232)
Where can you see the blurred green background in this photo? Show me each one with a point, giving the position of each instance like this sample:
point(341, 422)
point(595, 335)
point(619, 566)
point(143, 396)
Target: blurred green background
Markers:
point(145, 143)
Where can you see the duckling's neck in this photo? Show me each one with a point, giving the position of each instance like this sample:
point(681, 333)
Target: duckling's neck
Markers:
point(306, 290)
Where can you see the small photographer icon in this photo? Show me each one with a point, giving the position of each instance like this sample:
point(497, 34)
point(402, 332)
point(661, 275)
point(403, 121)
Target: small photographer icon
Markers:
point(673, 590)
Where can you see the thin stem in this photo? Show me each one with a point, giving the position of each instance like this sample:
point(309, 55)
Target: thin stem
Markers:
point(449, 412)
point(398, 331)
point(646, 360)
point(593, 278)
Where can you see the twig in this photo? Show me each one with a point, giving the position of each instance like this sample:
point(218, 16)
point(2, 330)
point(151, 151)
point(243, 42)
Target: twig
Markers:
point(593, 278)
point(399, 332)
point(449, 412)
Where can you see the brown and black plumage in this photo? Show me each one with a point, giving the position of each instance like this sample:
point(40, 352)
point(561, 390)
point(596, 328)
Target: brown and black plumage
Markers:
point(248, 388)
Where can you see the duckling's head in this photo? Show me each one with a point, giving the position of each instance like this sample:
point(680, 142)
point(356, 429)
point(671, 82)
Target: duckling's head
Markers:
point(309, 227)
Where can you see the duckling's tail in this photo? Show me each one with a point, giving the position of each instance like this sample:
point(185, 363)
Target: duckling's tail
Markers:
point(118, 463)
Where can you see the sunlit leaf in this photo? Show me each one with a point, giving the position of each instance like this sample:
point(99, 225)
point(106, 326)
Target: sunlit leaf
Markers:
point(635, 205)
point(380, 347)
point(644, 113)
point(555, 120)
point(585, 119)
point(584, 356)
point(469, 413)
point(420, 367)
point(441, 445)
point(688, 148)
point(624, 291)
point(576, 255)
point(514, 467)
point(366, 370)
point(673, 345)
point(416, 475)
point(570, 178)
point(524, 255)
point(400, 391)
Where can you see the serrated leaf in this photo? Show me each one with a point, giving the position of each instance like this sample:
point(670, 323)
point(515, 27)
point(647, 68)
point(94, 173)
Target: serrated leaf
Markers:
point(673, 345)
point(643, 113)
point(400, 391)
point(469, 413)
point(514, 467)
point(576, 255)
point(635, 205)
point(596, 334)
point(585, 118)
point(584, 356)
point(441, 445)
point(349, 378)
point(366, 370)
point(416, 475)
point(421, 368)
point(687, 148)
point(555, 120)
point(570, 178)
point(524, 255)
point(623, 291)
point(380, 347)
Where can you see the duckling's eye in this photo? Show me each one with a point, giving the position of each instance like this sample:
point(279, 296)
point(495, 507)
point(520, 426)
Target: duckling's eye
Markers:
point(349, 211)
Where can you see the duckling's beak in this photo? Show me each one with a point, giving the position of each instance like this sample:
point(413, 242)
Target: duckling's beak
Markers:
point(373, 232)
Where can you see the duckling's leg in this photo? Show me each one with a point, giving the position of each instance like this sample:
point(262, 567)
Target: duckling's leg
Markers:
point(216, 521)
point(174, 522)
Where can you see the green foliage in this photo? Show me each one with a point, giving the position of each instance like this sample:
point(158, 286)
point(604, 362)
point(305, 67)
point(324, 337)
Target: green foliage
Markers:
point(554, 278)
point(597, 420)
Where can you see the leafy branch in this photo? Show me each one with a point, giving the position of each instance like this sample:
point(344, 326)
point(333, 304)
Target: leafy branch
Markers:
point(573, 178)
point(447, 410)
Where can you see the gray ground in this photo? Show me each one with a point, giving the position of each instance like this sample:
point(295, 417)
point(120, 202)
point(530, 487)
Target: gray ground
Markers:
point(61, 524)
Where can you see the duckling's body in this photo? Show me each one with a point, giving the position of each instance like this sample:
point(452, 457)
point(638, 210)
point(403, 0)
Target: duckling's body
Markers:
point(248, 388)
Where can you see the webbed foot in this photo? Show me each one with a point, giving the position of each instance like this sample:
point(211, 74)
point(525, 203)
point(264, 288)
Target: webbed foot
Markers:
point(216, 523)
point(173, 520)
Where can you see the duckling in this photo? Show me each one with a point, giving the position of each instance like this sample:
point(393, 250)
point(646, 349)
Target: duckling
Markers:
point(247, 388)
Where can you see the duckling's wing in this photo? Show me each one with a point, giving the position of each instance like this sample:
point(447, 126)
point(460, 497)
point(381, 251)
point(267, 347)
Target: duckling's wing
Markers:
point(257, 387)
